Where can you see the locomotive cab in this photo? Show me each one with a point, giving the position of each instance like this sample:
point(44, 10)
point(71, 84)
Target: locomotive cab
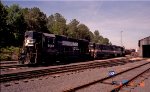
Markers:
point(48, 48)
point(48, 40)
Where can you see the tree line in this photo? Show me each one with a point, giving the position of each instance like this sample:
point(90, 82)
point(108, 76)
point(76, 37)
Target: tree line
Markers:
point(16, 20)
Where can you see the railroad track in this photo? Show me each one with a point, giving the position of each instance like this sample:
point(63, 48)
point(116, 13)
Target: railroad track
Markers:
point(127, 83)
point(61, 69)
point(2, 67)
point(7, 67)
point(110, 77)
point(8, 62)
point(14, 66)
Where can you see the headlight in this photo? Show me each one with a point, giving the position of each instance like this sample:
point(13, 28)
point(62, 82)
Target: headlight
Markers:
point(29, 42)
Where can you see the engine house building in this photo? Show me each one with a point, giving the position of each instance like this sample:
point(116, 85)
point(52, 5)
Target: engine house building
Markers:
point(144, 47)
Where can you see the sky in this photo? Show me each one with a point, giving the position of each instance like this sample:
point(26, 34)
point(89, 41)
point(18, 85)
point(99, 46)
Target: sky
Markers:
point(131, 19)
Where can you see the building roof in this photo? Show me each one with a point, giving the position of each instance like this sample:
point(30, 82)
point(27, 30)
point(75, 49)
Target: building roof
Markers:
point(145, 38)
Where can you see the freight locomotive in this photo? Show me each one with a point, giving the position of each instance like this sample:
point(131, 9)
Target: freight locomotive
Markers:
point(41, 47)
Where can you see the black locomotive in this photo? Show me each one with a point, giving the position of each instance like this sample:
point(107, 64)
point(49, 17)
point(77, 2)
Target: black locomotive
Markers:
point(41, 47)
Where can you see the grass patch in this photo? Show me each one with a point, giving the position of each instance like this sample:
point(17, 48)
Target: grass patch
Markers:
point(9, 53)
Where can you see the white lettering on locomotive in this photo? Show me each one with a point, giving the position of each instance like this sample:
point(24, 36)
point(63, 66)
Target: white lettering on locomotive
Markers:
point(67, 43)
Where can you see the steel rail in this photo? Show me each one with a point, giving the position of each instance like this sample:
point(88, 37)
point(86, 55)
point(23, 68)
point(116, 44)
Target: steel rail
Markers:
point(6, 67)
point(62, 69)
point(126, 83)
point(28, 65)
point(13, 66)
point(103, 79)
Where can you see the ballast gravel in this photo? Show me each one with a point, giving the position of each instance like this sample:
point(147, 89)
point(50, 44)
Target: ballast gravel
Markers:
point(65, 81)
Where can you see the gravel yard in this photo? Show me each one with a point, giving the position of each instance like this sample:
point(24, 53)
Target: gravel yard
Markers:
point(107, 85)
point(145, 88)
point(64, 81)
point(22, 69)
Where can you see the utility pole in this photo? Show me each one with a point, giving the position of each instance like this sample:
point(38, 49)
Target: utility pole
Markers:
point(121, 38)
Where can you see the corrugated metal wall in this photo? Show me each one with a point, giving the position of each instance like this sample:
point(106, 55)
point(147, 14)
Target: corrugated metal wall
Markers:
point(144, 47)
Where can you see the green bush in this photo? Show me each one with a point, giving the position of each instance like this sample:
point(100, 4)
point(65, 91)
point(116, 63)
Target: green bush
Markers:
point(9, 53)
